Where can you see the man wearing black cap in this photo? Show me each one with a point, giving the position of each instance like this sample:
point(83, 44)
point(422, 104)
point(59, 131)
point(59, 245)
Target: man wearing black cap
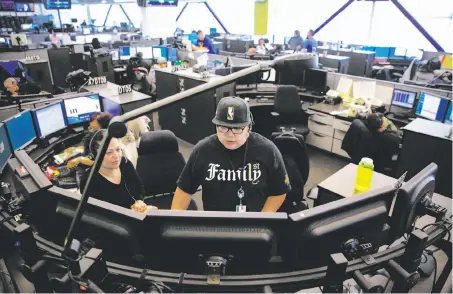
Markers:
point(238, 170)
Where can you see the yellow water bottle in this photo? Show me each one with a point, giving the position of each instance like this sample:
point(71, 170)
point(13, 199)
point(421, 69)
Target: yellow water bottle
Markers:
point(364, 175)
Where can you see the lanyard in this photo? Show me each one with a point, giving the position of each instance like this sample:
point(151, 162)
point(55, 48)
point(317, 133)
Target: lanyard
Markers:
point(240, 191)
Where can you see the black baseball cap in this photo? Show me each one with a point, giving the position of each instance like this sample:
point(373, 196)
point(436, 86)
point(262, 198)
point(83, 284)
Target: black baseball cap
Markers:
point(232, 112)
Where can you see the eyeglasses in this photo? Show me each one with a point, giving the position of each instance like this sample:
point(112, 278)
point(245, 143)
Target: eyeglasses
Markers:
point(236, 131)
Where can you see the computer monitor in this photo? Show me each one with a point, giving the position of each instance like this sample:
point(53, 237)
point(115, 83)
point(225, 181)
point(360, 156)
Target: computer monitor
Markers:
point(115, 54)
point(125, 52)
point(448, 117)
point(323, 230)
point(5, 147)
point(292, 71)
point(409, 197)
point(159, 51)
point(111, 106)
point(414, 53)
point(147, 52)
point(432, 107)
point(19, 39)
point(172, 54)
point(79, 109)
point(25, 7)
point(315, 80)
point(193, 38)
point(404, 99)
point(250, 79)
point(382, 52)
point(400, 52)
point(49, 119)
point(248, 237)
point(21, 130)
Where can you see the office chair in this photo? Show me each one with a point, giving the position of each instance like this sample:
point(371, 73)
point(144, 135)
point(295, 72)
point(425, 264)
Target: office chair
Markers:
point(294, 151)
point(288, 112)
point(159, 165)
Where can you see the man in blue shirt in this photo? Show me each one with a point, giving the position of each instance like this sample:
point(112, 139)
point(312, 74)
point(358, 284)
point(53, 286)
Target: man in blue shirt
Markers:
point(310, 43)
point(296, 41)
point(204, 43)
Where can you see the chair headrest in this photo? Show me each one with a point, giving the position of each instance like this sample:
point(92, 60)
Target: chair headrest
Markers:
point(157, 142)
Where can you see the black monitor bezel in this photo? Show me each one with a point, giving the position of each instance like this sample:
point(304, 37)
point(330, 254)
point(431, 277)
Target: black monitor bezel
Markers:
point(78, 96)
point(36, 121)
point(398, 106)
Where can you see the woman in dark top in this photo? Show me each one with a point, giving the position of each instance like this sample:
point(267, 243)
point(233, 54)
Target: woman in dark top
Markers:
point(117, 181)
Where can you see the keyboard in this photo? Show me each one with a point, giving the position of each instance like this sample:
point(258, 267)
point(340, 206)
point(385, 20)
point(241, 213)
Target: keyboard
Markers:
point(66, 182)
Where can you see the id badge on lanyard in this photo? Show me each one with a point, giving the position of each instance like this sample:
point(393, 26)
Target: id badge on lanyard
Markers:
point(240, 207)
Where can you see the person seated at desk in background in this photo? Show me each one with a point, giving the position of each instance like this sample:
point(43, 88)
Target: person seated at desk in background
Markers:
point(378, 122)
point(310, 43)
point(238, 170)
point(296, 42)
point(204, 43)
point(268, 45)
point(261, 47)
point(11, 86)
point(117, 181)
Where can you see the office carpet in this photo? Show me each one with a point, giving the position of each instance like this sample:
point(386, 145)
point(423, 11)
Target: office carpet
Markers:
point(323, 165)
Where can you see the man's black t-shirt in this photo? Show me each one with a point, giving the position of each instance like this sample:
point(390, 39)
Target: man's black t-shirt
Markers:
point(221, 173)
point(124, 194)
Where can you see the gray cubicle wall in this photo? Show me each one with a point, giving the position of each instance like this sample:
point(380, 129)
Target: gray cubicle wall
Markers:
point(22, 55)
point(384, 89)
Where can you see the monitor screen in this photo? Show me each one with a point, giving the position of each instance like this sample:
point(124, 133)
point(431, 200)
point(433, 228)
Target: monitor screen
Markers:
point(382, 52)
point(193, 38)
point(432, 107)
point(147, 52)
point(80, 109)
point(448, 118)
point(21, 129)
point(400, 52)
point(414, 53)
point(8, 5)
point(162, 3)
point(115, 55)
point(57, 4)
point(403, 98)
point(5, 147)
point(159, 51)
point(172, 54)
point(125, 51)
point(25, 7)
point(315, 79)
point(111, 107)
point(49, 119)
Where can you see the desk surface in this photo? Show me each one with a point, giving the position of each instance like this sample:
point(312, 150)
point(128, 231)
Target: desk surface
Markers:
point(429, 128)
point(342, 182)
point(188, 73)
point(110, 90)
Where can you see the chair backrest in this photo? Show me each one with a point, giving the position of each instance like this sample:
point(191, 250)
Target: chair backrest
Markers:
point(357, 141)
point(287, 100)
point(294, 151)
point(159, 162)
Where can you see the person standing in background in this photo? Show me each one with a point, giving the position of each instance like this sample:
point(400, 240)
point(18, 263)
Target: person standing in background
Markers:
point(310, 43)
point(296, 41)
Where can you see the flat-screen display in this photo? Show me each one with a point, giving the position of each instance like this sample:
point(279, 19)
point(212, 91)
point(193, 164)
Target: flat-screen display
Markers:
point(49, 119)
point(147, 52)
point(5, 147)
point(405, 99)
point(111, 106)
point(316, 79)
point(432, 107)
point(25, 7)
point(7, 5)
point(80, 109)
point(57, 4)
point(21, 129)
point(162, 3)
point(159, 51)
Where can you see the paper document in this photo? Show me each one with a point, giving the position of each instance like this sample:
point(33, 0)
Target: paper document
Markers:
point(344, 86)
point(364, 89)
